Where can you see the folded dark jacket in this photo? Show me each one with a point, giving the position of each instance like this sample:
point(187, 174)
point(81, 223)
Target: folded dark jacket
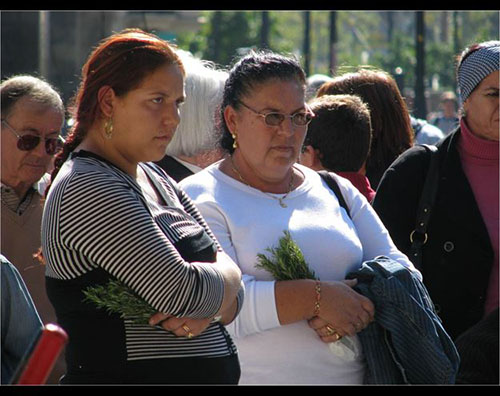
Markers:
point(406, 343)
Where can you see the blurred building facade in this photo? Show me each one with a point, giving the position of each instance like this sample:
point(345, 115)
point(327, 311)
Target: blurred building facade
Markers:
point(55, 44)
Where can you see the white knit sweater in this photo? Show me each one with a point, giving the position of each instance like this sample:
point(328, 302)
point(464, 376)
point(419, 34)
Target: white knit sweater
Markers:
point(246, 221)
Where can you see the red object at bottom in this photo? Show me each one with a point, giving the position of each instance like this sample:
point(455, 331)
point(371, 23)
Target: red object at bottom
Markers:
point(45, 353)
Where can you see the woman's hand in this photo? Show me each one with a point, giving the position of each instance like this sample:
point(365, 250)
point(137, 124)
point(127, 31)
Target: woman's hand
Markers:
point(343, 311)
point(181, 327)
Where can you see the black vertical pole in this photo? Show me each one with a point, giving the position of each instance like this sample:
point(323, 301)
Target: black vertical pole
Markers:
point(456, 40)
point(264, 31)
point(390, 36)
point(420, 106)
point(307, 41)
point(333, 42)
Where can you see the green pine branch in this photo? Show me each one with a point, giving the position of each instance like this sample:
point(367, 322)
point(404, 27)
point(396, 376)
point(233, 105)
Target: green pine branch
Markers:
point(286, 262)
point(116, 298)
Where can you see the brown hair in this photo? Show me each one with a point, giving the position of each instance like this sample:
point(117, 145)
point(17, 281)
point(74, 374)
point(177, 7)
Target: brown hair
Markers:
point(121, 61)
point(340, 131)
point(391, 127)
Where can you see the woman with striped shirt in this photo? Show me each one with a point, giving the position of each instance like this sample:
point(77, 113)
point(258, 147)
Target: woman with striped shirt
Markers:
point(111, 214)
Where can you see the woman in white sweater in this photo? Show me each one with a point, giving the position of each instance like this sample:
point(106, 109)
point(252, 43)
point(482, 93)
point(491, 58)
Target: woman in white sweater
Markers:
point(252, 196)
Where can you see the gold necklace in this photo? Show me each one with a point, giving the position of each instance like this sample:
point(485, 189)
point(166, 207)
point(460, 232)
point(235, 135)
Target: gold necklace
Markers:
point(279, 199)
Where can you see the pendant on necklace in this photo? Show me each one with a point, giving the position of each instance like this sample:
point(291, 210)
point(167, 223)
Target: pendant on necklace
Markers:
point(282, 204)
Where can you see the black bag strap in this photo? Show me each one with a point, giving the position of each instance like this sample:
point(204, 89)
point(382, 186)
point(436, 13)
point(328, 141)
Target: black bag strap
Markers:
point(418, 237)
point(332, 183)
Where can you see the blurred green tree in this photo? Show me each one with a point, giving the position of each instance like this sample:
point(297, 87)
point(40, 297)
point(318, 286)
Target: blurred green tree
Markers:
point(383, 39)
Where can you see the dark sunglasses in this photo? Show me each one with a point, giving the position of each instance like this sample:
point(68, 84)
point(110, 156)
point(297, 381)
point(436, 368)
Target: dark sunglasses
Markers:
point(301, 118)
point(27, 142)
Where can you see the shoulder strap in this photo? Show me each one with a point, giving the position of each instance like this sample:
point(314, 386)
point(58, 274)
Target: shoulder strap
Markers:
point(418, 236)
point(148, 168)
point(332, 183)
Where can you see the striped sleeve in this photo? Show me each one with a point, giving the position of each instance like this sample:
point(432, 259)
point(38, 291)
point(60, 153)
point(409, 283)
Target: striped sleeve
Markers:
point(97, 220)
point(191, 208)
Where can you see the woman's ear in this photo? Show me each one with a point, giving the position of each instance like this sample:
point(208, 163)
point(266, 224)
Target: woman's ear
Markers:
point(311, 158)
point(465, 106)
point(107, 100)
point(230, 116)
point(306, 157)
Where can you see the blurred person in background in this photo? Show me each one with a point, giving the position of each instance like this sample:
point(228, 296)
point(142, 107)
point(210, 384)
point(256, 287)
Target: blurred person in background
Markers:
point(111, 214)
point(392, 133)
point(338, 139)
point(447, 120)
point(21, 323)
point(194, 144)
point(460, 255)
point(425, 133)
point(314, 83)
point(32, 118)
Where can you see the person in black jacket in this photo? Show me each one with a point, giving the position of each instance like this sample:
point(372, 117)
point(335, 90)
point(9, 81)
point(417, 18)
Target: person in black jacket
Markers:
point(460, 253)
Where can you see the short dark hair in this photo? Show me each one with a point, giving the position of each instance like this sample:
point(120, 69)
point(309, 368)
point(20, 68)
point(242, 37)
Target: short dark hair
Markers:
point(340, 131)
point(392, 133)
point(257, 67)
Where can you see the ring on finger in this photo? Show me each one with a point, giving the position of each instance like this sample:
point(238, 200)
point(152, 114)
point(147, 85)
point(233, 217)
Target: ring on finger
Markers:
point(330, 331)
point(186, 328)
point(337, 336)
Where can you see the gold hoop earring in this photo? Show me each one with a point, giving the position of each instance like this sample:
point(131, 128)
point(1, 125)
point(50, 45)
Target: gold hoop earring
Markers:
point(108, 128)
point(235, 143)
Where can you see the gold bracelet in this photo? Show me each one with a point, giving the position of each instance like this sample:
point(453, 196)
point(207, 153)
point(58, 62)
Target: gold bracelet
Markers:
point(317, 288)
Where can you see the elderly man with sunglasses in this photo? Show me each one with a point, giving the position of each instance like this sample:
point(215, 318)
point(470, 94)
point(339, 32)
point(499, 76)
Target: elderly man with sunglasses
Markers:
point(31, 120)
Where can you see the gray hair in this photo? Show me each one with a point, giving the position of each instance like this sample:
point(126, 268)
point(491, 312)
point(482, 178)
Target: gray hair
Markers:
point(35, 88)
point(204, 85)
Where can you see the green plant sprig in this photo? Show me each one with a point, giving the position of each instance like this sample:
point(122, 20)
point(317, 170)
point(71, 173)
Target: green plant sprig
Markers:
point(117, 298)
point(287, 261)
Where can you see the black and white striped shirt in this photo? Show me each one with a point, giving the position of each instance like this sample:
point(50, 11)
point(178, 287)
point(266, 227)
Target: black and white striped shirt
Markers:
point(97, 218)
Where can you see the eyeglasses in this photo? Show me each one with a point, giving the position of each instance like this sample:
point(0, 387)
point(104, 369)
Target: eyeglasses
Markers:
point(28, 142)
point(301, 118)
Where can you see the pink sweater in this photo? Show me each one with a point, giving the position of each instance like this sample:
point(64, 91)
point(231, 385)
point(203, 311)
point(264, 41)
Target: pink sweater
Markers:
point(480, 163)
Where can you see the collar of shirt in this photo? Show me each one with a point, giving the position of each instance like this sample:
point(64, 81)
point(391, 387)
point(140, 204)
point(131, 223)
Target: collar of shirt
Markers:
point(13, 202)
point(193, 168)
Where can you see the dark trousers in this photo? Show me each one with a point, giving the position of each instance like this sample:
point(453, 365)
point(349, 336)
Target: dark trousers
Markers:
point(173, 371)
